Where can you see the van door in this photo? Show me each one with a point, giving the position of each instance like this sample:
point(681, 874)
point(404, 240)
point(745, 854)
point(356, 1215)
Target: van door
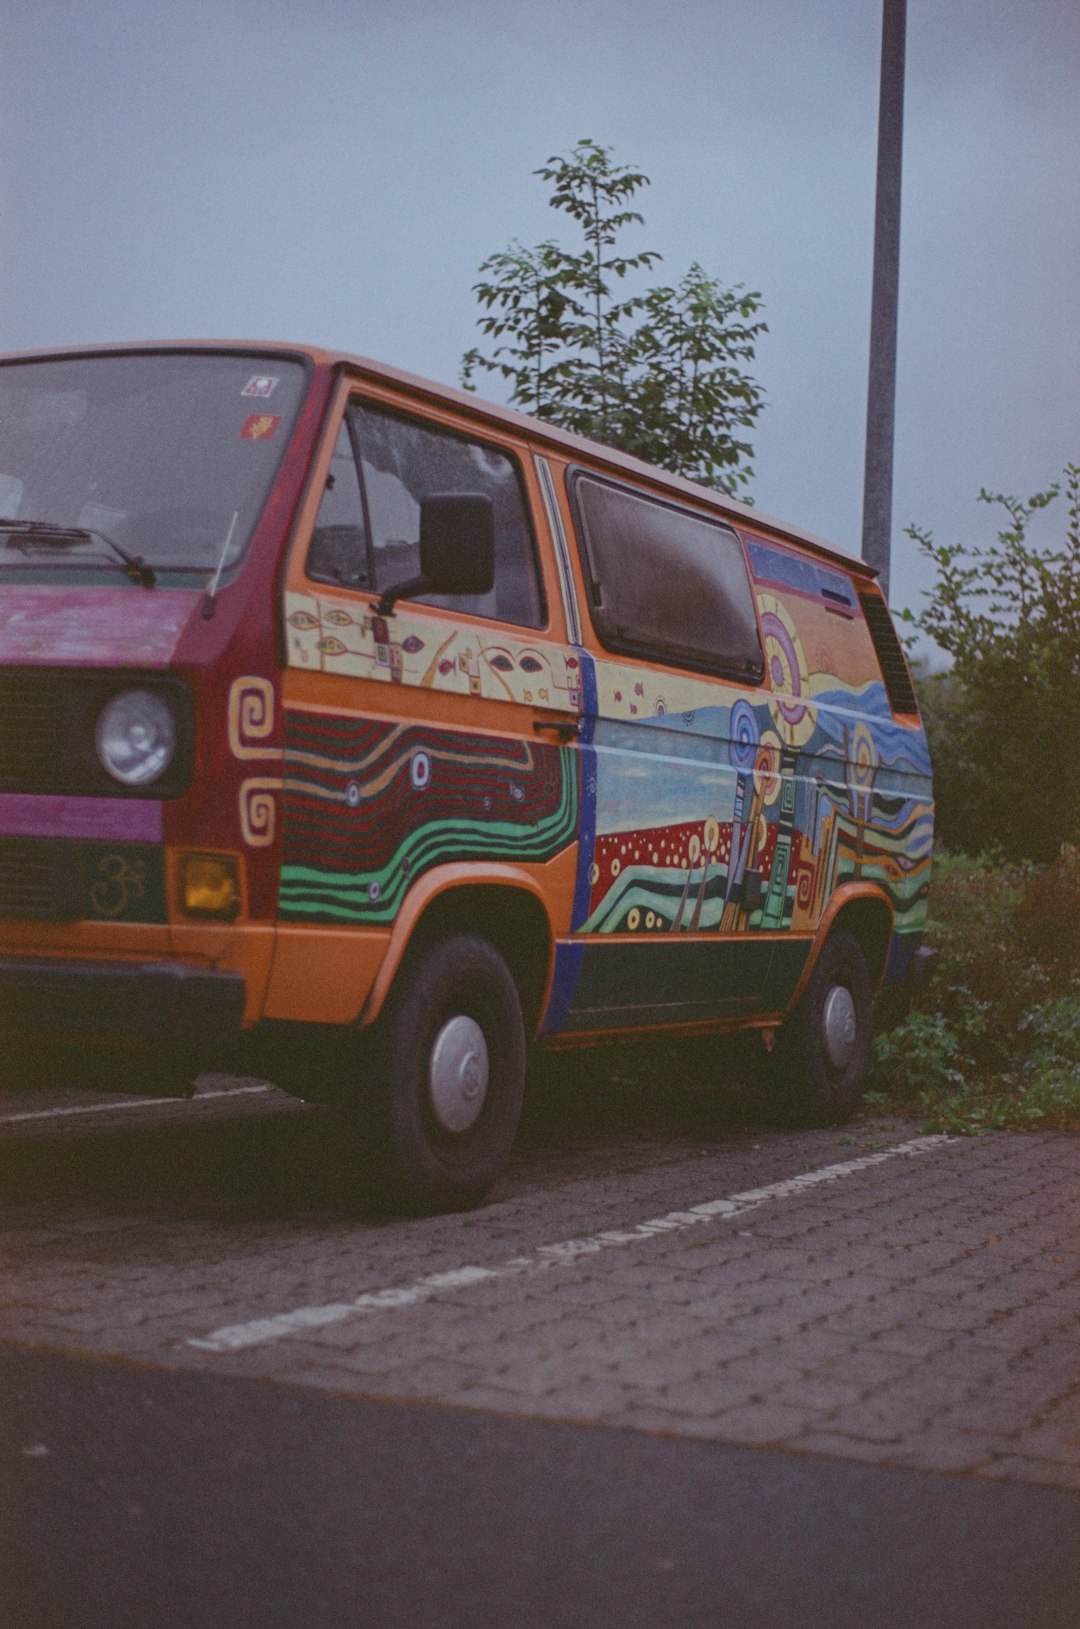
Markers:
point(673, 930)
point(438, 734)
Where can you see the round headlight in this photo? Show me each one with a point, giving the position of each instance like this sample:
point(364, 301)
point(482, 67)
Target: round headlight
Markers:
point(136, 736)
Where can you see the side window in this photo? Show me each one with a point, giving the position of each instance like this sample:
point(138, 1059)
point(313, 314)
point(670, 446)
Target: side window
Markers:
point(338, 552)
point(403, 461)
point(665, 582)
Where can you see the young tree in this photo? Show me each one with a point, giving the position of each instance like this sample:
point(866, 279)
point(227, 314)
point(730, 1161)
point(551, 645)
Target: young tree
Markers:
point(1005, 718)
point(658, 372)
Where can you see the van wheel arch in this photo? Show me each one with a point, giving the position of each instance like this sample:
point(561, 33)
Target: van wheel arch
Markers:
point(511, 919)
point(868, 919)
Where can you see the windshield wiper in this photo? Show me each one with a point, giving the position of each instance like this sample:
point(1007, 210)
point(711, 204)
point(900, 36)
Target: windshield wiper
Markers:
point(25, 534)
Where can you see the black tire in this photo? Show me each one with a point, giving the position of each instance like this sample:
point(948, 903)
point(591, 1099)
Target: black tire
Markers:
point(441, 1097)
point(819, 1066)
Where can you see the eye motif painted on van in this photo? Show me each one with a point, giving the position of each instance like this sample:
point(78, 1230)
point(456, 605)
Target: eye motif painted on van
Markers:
point(527, 663)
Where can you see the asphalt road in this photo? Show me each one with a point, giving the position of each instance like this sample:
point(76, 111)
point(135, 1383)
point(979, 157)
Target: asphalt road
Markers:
point(134, 1498)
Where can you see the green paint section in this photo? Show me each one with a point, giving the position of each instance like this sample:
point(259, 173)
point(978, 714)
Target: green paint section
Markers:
point(313, 894)
point(785, 971)
point(664, 980)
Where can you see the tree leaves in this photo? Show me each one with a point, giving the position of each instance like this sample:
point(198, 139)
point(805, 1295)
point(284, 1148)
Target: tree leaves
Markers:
point(659, 373)
point(1004, 720)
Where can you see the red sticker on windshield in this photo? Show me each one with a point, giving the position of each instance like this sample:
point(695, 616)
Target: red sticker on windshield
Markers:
point(261, 385)
point(260, 426)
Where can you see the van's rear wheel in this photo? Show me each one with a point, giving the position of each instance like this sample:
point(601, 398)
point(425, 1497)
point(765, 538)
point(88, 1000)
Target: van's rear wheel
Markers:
point(822, 1056)
point(442, 1094)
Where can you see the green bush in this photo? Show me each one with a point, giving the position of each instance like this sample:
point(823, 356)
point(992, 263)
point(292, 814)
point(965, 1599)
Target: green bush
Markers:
point(1007, 615)
point(923, 1054)
point(995, 1039)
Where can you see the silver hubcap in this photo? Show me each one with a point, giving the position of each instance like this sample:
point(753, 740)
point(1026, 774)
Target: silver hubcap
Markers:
point(458, 1073)
point(839, 1029)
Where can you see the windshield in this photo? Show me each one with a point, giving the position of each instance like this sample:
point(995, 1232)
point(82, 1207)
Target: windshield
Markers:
point(162, 459)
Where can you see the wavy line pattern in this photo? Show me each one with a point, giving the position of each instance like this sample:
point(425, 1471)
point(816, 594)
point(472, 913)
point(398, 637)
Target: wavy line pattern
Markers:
point(369, 807)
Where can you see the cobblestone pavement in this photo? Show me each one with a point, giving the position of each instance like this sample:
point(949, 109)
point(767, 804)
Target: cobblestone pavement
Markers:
point(865, 1294)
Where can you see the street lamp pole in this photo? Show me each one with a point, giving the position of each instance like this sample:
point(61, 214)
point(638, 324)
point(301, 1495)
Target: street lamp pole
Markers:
point(881, 391)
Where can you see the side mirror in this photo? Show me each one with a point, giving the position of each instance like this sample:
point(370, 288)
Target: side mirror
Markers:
point(457, 549)
point(457, 543)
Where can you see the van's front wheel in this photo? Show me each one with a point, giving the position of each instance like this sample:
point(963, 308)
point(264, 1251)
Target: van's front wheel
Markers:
point(822, 1056)
point(446, 1077)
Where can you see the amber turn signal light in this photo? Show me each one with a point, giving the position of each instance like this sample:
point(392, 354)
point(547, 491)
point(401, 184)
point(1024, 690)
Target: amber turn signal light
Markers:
point(210, 886)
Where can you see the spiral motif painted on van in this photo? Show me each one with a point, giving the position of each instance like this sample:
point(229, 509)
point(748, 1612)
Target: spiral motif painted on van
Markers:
point(785, 665)
point(743, 735)
point(258, 811)
point(251, 718)
point(767, 779)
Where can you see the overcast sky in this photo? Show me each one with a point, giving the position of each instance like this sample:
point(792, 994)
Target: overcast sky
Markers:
point(334, 171)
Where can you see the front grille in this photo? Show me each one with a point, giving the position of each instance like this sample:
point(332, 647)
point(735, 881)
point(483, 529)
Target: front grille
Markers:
point(38, 880)
point(33, 727)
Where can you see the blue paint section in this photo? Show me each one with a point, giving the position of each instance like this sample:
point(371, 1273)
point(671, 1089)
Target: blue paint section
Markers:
point(783, 570)
point(587, 835)
point(568, 957)
point(901, 951)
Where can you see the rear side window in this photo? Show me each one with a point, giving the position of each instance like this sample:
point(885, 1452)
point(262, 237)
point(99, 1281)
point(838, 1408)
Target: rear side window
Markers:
point(367, 534)
point(665, 582)
point(890, 654)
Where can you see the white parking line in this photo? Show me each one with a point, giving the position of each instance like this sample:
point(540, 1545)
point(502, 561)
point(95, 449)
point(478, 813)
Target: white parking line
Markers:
point(118, 1105)
point(261, 1331)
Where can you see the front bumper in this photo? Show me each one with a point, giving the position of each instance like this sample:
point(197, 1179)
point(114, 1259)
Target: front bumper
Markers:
point(164, 1003)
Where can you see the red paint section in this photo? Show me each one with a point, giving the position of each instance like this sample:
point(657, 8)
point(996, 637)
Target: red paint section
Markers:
point(126, 626)
point(233, 660)
point(669, 848)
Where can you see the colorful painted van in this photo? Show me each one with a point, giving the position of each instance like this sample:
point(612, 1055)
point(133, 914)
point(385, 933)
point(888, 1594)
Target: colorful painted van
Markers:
point(369, 731)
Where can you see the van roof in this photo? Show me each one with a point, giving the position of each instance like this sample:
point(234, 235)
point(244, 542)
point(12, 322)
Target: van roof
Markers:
point(735, 511)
